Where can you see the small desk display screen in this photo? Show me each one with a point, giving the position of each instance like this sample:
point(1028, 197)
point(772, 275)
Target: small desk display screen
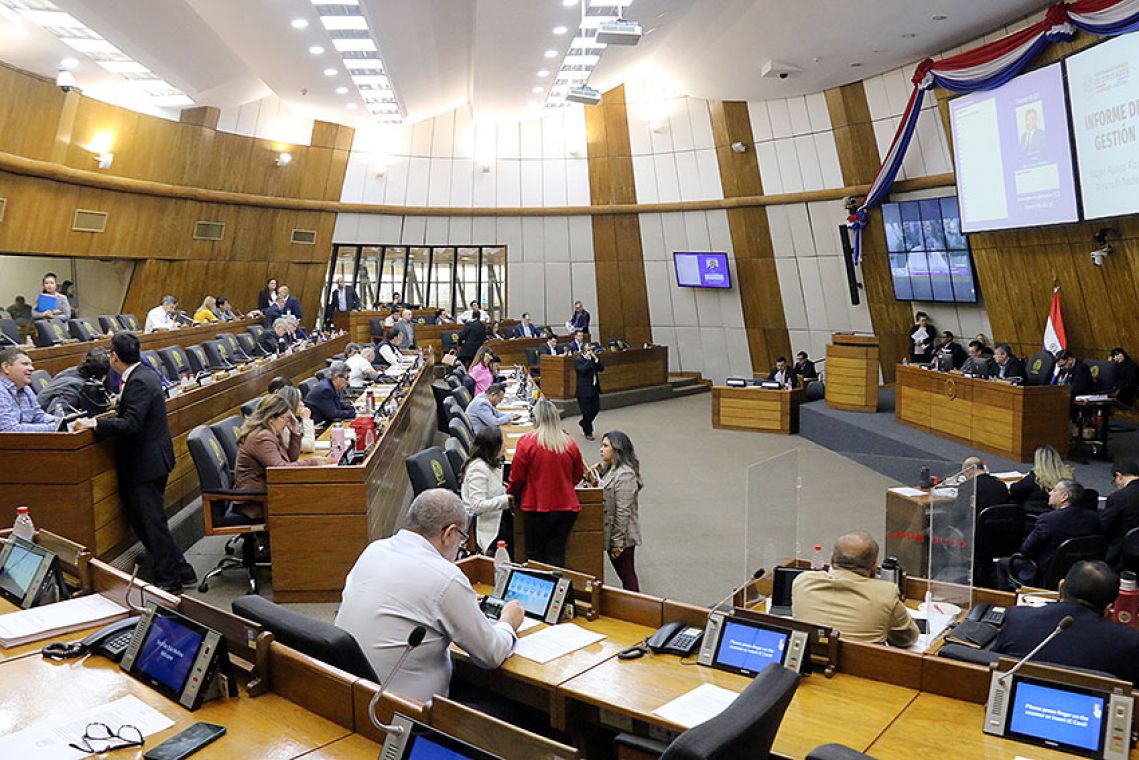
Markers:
point(533, 592)
point(168, 653)
point(1064, 718)
point(748, 649)
point(19, 570)
point(424, 748)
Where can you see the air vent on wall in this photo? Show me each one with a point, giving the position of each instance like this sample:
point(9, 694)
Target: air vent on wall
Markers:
point(89, 221)
point(209, 230)
point(3, 205)
point(304, 237)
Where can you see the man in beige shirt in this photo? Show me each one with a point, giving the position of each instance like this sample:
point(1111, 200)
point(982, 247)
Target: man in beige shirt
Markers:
point(851, 599)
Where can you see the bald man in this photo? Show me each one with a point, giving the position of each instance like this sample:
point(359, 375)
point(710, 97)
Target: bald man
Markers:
point(975, 477)
point(851, 598)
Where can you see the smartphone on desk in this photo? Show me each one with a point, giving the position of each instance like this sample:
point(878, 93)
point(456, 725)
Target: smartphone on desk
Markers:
point(676, 638)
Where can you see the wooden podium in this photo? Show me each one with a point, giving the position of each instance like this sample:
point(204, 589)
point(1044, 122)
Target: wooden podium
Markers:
point(852, 372)
point(752, 408)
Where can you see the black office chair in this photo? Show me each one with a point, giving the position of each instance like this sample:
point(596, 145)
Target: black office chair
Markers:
point(218, 495)
point(196, 355)
point(456, 454)
point(455, 413)
point(49, 332)
point(816, 390)
point(1103, 372)
point(175, 361)
point(997, 532)
point(236, 352)
point(151, 357)
point(109, 323)
point(450, 339)
point(1039, 368)
point(460, 371)
point(249, 406)
point(836, 752)
point(430, 468)
point(10, 333)
point(256, 331)
point(226, 433)
point(1129, 551)
point(442, 392)
point(462, 396)
point(216, 354)
point(129, 322)
point(83, 329)
point(376, 329)
point(426, 319)
point(1069, 553)
point(315, 638)
point(453, 381)
point(40, 379)
point(307, 385)
point(533, 358)
point(457, 428)
point(250, 346)
point(745, 728)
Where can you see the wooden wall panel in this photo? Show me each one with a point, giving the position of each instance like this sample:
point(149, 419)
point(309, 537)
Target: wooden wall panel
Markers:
point(760, 296)
point(28, 101)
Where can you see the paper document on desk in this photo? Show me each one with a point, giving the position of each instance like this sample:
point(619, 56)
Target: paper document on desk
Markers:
point(944, 493)
point(54, 619)
point(1010, 475)
point(555, 641)
point(691, 709)
point(907, 491)
point(1094, 397)
point(48, 739)
point(528, 623)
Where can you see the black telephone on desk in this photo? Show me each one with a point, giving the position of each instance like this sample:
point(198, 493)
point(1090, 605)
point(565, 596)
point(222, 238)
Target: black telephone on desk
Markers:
point(987, 613)
point(676, 638)
point(110, 642)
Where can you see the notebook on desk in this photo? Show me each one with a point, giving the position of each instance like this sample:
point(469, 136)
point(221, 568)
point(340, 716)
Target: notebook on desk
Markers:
point(781, 590)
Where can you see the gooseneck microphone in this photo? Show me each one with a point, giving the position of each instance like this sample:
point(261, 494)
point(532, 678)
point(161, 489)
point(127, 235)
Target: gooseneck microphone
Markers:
point(754, 577)
point(414, 639)
point(1064, 624)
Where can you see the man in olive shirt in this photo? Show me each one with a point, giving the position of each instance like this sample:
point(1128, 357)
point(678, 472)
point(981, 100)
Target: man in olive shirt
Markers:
point(850, 597)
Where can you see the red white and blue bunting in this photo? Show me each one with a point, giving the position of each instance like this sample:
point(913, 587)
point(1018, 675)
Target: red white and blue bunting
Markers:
point(986, 68)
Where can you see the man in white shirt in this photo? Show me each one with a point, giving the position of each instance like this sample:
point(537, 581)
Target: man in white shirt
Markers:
point(359, 361)
point(161, 317)
point(410, 579)
point(469, 314)
point(389, 348)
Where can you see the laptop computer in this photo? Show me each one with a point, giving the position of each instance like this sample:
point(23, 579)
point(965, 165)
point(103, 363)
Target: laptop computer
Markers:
point(781, 590)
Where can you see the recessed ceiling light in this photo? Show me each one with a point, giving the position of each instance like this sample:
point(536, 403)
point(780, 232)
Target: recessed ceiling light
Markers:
point(569, 3)
point(68, 63)
point(855, 65)
point(543, 73)
point(909, 35)
point(341, 90)
point(940, 17)
point(536, 90)
point(299, 23)
point(330, 72)
point(351, 106)
point(559, 29)
point(551, 53)
point(316, 50)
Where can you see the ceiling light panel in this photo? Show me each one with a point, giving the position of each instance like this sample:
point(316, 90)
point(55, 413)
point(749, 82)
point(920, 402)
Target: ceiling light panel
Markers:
point(81, 38)
point(353, 39)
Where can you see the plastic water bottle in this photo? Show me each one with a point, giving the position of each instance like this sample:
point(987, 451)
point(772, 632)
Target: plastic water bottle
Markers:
point(23, 527)
point(817, 558)
point(1126, 607)
point(501, 564)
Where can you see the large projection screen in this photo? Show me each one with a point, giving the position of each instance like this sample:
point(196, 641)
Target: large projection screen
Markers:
point(1013, 154)
point(1103, 89)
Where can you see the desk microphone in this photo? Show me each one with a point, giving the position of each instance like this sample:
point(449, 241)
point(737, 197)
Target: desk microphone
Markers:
point(1064, 624)
point(413, 640)
point(754, 577)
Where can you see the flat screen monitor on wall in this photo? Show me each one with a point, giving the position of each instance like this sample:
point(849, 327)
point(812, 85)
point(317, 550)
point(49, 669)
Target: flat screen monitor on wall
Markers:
point(702, 270)
point(929, 255)
point(1103, 90)
point(1013, 154)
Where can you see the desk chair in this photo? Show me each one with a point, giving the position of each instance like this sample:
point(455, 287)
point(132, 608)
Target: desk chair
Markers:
point(109, 323)
point(315, 638)
point(1129, 554)
point(250, 345)
point(462, 396)
point(40, 379)
point(307, 385)
point(1039, 368)
point(456, 454)
point(236, 352)
point(218, 494)
point(197, 358)
point(1013, 572)
point(453, 381)
point(217, 354)
point(249, 406)
point(442, 393)
point(998, 532)
point(376, 329)
point(226, 433)
point(256, 331)
point(176, 362)
point(83, 329)
point(129, 322)
point(457, 428)
point(430, 468)
point(151, 357)
point(1103, 372)
point(49, 332)
point(10, 333)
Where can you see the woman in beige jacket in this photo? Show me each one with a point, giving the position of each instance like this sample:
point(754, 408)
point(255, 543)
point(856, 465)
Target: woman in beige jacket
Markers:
point(619, 474)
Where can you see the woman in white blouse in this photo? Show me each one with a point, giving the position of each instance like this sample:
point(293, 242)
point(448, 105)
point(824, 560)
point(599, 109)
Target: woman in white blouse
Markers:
point(484, 493)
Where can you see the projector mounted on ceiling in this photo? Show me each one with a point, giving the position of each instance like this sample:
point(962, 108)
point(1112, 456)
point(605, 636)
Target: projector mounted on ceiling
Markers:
point(619, 32)
point(584, 94)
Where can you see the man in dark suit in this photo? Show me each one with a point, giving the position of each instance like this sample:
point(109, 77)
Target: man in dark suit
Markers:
point(526, 328)
point(326, 400)
point(144, 457)
point(946, 344)
point(276, 340)
point(976, 351)
point(587, 365)
point(1121, 512)
point(1071, 371)
point(579, 320)
point(289, 304)
point(342, 298)
point(805, 368)
point(577, 345)
point(1093, 642)
point(1070, 517)
point(781, 373)
point(471, 337)
point(976, 479)
point(1008, 366)
point(550, 347)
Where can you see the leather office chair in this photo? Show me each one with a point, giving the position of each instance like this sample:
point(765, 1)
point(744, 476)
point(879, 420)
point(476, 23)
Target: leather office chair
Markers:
point(83, 329)
point(455, 413)
point(256, 331)
point(226, 433)
point(236, 352)
point(462, 396)
point(151, 357)
point(816, 390)
point(427, 319)
point(442, 392)
point(453, 381)
point(746, 727)
point(315, 638)
point(457, 428)
point(1103, 372)
point(1069, 553)
point(307, 385)
point(1039, 368)
point(109, 323)
point(376, 329)
point(456, 454)
point(196, 355)
point(1129, 552)
point(129, 322)
point(218, 494)
point(460, 371)
point(49, 332)
point(450, 339)
point(997, 532)
point(429, 469)
point(176, 362)
point(10, 333)
point(249, 406)
point(217, 354)
point(250, 345)
point(40, 379)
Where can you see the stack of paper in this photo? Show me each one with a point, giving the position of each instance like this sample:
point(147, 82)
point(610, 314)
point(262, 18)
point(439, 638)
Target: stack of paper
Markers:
point(55, 619)
point(49, 739)
point(554, 642)
point(691, 709)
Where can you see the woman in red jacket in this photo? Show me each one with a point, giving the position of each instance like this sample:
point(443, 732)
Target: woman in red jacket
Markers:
point(547, 465)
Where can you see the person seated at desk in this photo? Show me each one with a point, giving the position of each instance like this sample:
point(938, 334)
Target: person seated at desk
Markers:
point(397, 302)
point(1092, 642)
point(481, 368)
point(483, 411)
point(359, 360)
point(851, 598)
point(81, 388)
point(50, 297)
point(1048, 469)
point(224, 310)
point(296, 401)
point(1008, 365)
point(443, 317)
point(495, 331)
point(550, 347)
point(577, 345)
point(276, 340)
point(262, 443)
point(920, 339)
point(1121, 512)
point(21, 312)
point(19, 410)
point(484, 493)
point(289, 304)
point(976, 351)
point(296, 333)
point(474, 313)
point(326, 400)
point(387, 350)
point(781, 373)
point(1125, 384)
point(205, 312)
point(161, 317)
point(947, 344)
point(804, 368)
point(1071, 371)
point(432, 592)
point(975, 477)
point(526, 328)
point(1071, 517)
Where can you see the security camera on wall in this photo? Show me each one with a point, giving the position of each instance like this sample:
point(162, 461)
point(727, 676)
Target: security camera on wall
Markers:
point(65, 80)
point(1100, 254)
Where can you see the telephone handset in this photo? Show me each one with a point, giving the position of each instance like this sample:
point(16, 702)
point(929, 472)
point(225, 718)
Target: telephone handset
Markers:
point(676, 638)
point(110, 642)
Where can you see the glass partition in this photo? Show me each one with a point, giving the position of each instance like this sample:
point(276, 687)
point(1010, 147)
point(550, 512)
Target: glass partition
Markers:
point(442, 291)
point(493, 289)
point(92, 286)
point(418, 279)
point(392, 274)
point(369, 276)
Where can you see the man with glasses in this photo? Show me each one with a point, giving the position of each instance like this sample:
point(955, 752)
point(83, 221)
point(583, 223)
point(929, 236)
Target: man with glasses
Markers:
point(409, 580)
point(19, 410)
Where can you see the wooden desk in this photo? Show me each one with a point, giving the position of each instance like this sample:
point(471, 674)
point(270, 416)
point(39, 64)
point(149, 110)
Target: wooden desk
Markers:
point(358, 324)
point(68, 480)
point(1012, 421)
point(57, 358)
point(513, 351)
point(852, 372)
point(321, 518)
point(624, 371)
point(757, 409)
point(585, 549)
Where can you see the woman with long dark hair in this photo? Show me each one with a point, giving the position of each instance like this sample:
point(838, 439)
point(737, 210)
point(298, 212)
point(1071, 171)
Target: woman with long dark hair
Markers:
point(619, 475)
point(484, 493)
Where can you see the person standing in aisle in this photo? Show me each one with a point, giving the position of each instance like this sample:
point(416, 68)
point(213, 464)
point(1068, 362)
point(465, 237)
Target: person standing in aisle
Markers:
point(587, 365)
point(619, 474)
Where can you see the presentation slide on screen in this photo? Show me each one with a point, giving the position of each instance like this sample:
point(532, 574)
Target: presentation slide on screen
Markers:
point(168, 652)
point(1103, 92)
point(1012, 154)
point(702, 270)
point(750, 648)
point(1055, 715)
point(532, 593)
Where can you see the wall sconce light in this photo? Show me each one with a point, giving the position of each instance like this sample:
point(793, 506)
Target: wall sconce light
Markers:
point(656, 125)
point(739, 147)
point(283, 159)
point(484, 167)
point(100, 145)
point(104, 160)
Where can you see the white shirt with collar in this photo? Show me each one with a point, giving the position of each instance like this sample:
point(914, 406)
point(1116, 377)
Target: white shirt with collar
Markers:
point(360, 369)
point(390, 355)
point(158, 319)
point(401, 582)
